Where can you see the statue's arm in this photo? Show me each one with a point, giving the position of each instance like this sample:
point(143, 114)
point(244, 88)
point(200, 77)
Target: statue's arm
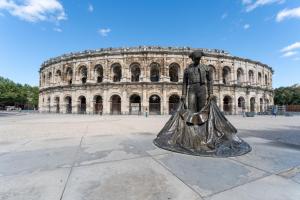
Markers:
point(185, 83)
point(209, 76)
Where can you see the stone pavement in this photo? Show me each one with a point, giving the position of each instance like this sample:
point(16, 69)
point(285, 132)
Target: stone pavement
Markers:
point(74, 157)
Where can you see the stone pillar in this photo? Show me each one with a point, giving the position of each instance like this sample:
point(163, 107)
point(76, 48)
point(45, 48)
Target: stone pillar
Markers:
point(164, 105)
point(75, 104)
point(145, 100)
point(124, 102)
point(106, 102)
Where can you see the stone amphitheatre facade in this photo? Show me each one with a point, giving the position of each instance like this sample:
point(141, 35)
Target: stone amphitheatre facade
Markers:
point(136, 80)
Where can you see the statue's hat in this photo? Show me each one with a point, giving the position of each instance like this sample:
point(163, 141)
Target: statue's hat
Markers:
point(196, 54)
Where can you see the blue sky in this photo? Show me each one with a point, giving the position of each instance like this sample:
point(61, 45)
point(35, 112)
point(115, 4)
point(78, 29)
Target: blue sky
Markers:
point(31, 31)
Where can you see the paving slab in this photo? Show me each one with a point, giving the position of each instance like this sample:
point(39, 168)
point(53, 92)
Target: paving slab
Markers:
point(271, 187)
point(104, 148)
point(209, 175)
point(270, 156)
point(34, 186)
point(134, 179)
point(26, 162)
point(293, 174)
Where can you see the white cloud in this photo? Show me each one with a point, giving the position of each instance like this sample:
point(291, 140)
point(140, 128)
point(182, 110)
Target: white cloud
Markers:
point(245, 2)
point(289, 53)
point(288, 13)
point(104, 31)
point(224, 16)
point(246, 26)
point(57, 29)
point(91, 8)
point(291, 47)
point(35, 10)
point(258, 3)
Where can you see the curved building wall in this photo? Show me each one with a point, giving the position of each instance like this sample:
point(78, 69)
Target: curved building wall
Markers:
point(147, 79)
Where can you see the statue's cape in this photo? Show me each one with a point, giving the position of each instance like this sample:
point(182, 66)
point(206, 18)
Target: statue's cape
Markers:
point(207, 132)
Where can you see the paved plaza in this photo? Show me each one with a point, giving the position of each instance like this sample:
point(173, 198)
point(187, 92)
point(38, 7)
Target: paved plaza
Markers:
point(77, 157)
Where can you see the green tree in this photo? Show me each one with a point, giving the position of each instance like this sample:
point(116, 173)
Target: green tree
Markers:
point(15, 94)
point(287, 95)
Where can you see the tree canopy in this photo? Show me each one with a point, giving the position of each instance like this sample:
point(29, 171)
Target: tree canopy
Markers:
point(15, 94)
point(287, 95)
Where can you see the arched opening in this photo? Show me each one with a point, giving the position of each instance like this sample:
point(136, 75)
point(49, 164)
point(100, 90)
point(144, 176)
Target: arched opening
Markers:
point(58, 76)
point(266, 104)
point(50, 77)
point(241, 104)
point(239, 76)
point(227, 105)
point(261, 105)
point(173, 103)
point(154, 105)
point(117, 72)
point(49, 105)
point(251, 76)
point(99, 73)
point(213, 71)
point(83, 72)
point(82, 105)
point(57, 104)
point(173, 72)
point(69, 75)
point(43, 79)
point(68, 102)
point(135, 104)
point(154, 72)
point(115, 108)
point(135, 72)
point(252, 104)
point(226, 75)
point(259, 78)
point(98, 105)
point(266, 80)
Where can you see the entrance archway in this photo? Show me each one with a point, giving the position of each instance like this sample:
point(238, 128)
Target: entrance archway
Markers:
point(135, 104)
point(68, 101)
point(82, 105)
point(57, 107)
point(227, 105)
point(241, 104)
point(98, 105)
point(154, 105)
point(115, 108)
point(252, 104)
point(260, 105)
point(173, 103)
point(49, 104)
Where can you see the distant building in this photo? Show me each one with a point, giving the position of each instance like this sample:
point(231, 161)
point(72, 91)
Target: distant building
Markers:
point(131, 80)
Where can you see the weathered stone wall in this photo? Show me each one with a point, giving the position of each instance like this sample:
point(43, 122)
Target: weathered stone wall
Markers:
point(234, 78)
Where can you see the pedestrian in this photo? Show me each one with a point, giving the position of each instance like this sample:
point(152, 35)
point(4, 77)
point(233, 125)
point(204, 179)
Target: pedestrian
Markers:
point(146, 112)
point(274, 110)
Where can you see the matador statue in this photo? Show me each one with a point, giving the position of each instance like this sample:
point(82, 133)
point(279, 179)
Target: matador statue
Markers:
point(198, 127)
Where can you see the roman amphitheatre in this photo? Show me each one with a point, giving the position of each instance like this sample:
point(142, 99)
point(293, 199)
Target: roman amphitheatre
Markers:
point(148, 79)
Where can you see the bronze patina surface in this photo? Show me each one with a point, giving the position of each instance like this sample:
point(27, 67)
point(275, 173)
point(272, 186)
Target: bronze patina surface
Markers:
point(198, 127)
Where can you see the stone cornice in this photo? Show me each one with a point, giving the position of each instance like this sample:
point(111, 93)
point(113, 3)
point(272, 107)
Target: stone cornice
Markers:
point(144, 50)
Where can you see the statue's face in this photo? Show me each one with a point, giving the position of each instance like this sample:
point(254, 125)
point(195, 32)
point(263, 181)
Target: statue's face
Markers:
point(196, 60)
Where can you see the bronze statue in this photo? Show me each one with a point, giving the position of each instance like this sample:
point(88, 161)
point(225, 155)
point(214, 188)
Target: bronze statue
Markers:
point(199, 127)
point(197, 83)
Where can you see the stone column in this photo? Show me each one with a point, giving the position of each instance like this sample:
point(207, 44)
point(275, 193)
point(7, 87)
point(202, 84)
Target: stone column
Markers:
point(144, 100)
point(164, 106)
point(106, 103)
point(124, 102)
